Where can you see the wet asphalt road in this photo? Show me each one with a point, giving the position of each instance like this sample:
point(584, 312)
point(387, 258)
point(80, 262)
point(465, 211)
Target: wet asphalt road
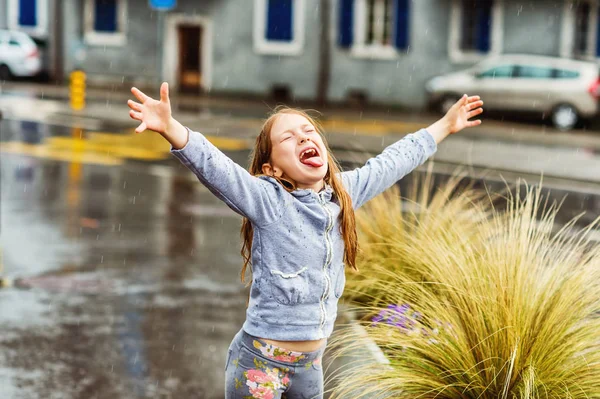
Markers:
point(134, 270)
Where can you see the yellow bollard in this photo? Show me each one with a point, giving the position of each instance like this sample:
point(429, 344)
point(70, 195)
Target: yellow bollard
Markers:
point(5, 282)
point(77, 90)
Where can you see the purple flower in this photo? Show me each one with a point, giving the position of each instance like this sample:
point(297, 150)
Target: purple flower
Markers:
point(410, 321)
point(395, 315)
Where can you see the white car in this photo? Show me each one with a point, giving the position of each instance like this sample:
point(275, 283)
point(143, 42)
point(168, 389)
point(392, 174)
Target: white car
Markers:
point(564, 89)
point(19, 55)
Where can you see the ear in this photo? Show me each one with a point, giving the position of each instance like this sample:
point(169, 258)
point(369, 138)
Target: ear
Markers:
point(268, 170)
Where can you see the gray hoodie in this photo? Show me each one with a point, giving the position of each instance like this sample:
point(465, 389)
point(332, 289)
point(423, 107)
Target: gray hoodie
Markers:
point(297, 249)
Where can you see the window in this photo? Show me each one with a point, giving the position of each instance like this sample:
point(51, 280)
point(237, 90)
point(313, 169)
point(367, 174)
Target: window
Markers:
point(379, 22)
point(105, 22)
point(374, 28)
point(476, 25)
point(565, 74)
point(105, 16)
point(28, 13)
point(580, 34)
point(504, 71)
point(279, 20)
point(279, 26)
point(475, 29)
point(586, 29)
point(346, 17)
point(30, 16)
point(533, 72)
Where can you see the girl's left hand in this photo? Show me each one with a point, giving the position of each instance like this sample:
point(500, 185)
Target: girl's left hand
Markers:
point(457, 117)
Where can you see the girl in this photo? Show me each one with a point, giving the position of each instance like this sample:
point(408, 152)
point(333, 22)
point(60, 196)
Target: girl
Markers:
point(298, 232)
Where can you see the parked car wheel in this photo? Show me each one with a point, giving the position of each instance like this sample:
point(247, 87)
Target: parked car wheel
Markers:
point(5, 73)
point(447, 102)
point(565, 117)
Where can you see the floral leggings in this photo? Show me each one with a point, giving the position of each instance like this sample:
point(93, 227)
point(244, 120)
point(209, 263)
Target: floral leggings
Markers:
point(256, 369)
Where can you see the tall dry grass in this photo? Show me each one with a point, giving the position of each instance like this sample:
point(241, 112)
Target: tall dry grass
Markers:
point(498, 303)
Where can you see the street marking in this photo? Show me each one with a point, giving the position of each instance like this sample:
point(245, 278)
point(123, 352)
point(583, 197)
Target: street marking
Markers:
point(108, 148)
point(44, 151)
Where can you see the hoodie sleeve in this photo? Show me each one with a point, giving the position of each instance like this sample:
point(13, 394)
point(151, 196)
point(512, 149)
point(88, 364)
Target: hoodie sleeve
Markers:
point(381, 172)
point(259, 200)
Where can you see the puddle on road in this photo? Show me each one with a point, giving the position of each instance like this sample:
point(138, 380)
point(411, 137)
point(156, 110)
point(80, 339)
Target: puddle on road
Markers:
point(134, 284)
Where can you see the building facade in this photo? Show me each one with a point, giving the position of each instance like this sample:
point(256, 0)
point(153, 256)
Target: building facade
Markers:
point(381, 51)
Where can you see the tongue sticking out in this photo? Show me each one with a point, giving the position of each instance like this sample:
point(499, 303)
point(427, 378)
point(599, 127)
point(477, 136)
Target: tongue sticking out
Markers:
point(313, 161)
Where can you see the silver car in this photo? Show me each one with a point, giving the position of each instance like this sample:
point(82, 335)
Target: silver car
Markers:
point(566, 90)
point(19, 55)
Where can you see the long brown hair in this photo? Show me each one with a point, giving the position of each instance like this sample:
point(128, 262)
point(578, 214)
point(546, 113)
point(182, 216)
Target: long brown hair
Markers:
point(262, 154)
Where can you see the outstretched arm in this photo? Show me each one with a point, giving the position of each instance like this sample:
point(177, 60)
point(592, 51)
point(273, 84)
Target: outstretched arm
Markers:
point(403, 156)
point(259, 200)
point(457, 118)
point(156, 115)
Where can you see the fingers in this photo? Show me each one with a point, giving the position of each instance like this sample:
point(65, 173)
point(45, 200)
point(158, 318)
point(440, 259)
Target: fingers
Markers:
point(474, 123)
point(135, 115)
point(140, 128)
point(473, 98)
point(134, 106)
point(460, 102)
point(474, 105)
point(139, 95)
point(164, 92)
point(473, 113)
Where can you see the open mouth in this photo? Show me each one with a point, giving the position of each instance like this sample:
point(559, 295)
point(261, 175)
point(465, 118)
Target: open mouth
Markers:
point(311, 157)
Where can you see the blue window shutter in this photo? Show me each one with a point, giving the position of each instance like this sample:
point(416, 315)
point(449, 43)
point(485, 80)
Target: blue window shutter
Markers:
point(280, 20)
point(28, 12)
point(346, 32)
point(484, 24)
point(402, 23)
point(105, 16)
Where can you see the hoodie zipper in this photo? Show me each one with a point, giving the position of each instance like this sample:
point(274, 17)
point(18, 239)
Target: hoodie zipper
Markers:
point(325, 294)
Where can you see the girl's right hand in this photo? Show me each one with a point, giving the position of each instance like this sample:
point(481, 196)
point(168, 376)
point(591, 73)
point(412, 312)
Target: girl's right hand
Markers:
point(153, 114)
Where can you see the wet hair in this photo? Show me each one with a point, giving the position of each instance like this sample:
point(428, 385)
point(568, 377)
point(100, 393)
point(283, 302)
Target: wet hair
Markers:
point(262, 154)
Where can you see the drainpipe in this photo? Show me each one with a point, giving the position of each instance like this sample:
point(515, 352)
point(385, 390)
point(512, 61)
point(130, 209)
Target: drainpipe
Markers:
point(57, 41)
point(324, 54)
point(159, 45)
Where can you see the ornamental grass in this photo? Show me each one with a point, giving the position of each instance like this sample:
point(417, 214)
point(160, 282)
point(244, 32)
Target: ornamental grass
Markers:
point(472, 295)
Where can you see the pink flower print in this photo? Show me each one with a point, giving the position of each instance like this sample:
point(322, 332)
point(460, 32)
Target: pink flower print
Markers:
point(258, 376)
point(317, 361)
point(285, 380)
point(286, 358)
point(262, 392)
point(273, 376)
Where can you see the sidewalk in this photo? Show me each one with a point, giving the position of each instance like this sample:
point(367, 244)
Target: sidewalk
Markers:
point(336, 118)
point(503, 147)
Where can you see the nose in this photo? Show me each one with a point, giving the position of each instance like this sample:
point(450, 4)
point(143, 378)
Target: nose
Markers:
point(303, 138)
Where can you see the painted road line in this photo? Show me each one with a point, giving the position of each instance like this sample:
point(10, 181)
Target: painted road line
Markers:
point(57, 154)
point(108, 148)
